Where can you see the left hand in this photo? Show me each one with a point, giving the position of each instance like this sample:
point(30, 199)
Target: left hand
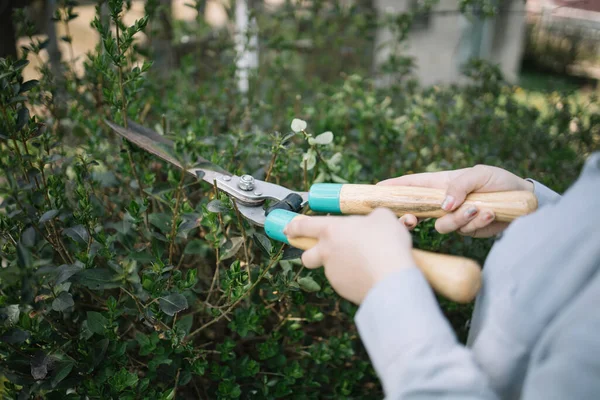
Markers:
point(356, 251)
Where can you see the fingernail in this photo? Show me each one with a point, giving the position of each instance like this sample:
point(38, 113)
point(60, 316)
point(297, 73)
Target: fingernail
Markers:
point(448, 203)
point(488, 216)
point(470, 212)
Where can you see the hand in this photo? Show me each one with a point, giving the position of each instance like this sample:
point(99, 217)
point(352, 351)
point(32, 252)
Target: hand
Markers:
point(458, 184)
point(356, 251)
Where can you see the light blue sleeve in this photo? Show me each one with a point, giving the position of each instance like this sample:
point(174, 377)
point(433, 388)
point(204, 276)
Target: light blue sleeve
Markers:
point(412, 346)
point(544, 194)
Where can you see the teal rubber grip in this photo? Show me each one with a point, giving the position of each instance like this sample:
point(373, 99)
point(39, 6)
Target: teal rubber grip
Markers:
point(276, 222)
point(325, 197)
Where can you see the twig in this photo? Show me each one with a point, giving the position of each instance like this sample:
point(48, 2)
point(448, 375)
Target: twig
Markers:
point(175, 217)
point(215, 276)
point(235, 303)
point(271, 165)
point(219, 215)
point(244, 239)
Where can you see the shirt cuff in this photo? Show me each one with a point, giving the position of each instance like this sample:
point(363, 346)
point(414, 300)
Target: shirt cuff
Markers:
point(398, 313)
point(543, 194)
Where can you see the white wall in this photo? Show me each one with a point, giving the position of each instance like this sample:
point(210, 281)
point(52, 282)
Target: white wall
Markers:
point(450, 39)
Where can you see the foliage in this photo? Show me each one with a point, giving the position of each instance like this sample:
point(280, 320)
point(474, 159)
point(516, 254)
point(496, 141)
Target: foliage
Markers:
point(124, 278)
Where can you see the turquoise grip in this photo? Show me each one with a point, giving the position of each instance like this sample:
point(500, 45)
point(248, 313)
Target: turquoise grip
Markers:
point(325, 197)
point(276, 222)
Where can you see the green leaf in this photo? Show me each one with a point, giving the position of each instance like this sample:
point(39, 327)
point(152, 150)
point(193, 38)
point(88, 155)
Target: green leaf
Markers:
point(98, 279)
point(17, 99)
point(22, 118)
point(24, 259)
point(96, 322)
point(65, 271)
point(173, 304)
point(63, 302)
point(77, 233)
point(62, 372)
point(20, 64)
point(26, 86)
point(286, 266)
point(195, 246)
point(217, 206)
point(39, 365)
point(10, 314)
point(231, 247)
point(322, 139)
point(161, 221)
point(308, 284)
point(100, 351)
point(123, 379)
point(185, 323)
point(48, 215)
point(15, 336)
point(263, 242)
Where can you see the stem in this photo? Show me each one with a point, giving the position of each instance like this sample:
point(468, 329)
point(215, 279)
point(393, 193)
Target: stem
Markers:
point(219, 215)
point(271, 164)
point(20, 159)
point(121, 86)
point(124, 112)
point(215, 277)
point(244, 240)
point(175, 217)
point(231, 307)
point(305, 175)
point(71, 53)
point(37, 184)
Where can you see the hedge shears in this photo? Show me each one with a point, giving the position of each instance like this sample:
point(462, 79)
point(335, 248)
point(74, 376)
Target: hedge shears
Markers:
point(454, 277)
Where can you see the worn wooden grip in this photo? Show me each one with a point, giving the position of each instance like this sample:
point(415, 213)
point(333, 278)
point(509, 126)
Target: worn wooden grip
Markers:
point(456, 278)
point(426, 202)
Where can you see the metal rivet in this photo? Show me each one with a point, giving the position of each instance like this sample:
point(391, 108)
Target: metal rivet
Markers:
point(257, 193)
point(246, 182)
point(226, 178)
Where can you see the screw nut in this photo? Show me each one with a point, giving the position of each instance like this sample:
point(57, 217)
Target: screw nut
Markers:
point(246, 182)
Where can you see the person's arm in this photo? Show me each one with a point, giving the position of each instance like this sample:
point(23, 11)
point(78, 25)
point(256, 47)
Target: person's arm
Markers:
point(566, 364)
point(544, 194)
point(411, 345)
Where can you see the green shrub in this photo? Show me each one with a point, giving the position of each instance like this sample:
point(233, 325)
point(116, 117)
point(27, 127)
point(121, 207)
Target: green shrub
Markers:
point(123, 278)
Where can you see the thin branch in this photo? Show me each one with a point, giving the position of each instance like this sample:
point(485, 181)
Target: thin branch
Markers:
point(235, 303)
point(244, 239)
point(175, 217)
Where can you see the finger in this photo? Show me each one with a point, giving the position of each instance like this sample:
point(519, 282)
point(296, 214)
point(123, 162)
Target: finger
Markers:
point(438, 180)
point(312, 258)
point(454, 221)
point(409, 220)
point(488, 231)
point(483, 219)
point(303, 226)
point(469, 181)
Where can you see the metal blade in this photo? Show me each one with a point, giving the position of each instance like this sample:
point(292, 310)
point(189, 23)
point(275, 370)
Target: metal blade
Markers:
point(163, 148)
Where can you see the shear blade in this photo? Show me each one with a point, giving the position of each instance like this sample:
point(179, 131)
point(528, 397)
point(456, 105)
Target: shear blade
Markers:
point(163, 148)
point(250, 204)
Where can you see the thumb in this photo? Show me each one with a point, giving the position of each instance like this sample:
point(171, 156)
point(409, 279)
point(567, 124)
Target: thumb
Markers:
point(468, 182)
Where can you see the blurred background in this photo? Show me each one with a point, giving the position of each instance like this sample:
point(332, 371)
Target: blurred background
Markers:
point(544, 44)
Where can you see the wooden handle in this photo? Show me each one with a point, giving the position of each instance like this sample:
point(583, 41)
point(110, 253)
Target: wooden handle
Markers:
point(426, 202)
point(456, 278)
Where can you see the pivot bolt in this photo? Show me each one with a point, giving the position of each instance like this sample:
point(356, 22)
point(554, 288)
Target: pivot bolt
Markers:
point(246, 182)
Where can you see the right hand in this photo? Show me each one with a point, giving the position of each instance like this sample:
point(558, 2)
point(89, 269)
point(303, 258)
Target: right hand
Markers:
point(458, 184)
